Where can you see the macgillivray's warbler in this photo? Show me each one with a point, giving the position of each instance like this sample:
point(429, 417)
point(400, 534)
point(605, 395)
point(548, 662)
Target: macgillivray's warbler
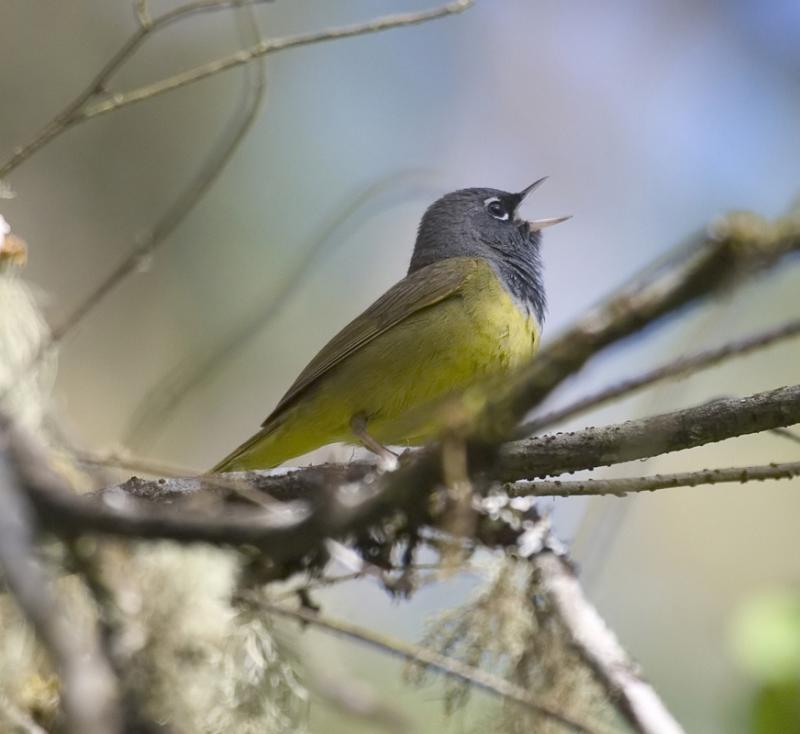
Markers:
point(471, 307)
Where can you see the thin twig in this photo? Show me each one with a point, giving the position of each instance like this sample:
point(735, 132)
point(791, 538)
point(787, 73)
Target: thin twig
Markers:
point(641, 439)
point(598, 646)
point(677, 368)
point(623, 486)
point(89, 687)
point(80, 109)
point(426, 658)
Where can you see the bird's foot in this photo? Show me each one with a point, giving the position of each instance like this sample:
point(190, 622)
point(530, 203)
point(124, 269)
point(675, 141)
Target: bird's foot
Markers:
point(388, 458)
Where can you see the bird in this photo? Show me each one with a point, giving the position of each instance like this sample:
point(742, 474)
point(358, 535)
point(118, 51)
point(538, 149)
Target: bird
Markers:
point(470, 308)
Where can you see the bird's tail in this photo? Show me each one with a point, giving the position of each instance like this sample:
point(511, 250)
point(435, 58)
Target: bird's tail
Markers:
point(261, 451)
point(292, 434)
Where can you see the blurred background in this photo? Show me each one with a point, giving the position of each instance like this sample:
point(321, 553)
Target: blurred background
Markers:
point(651, 119)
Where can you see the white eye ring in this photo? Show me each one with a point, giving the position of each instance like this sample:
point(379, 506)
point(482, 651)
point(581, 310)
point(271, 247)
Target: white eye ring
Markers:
point(496, 209)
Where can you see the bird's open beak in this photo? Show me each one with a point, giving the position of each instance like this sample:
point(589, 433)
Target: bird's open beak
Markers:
point(536, 224)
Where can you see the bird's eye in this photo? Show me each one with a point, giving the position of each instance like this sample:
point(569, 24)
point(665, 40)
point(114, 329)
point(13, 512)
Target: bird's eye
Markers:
point(496, 209)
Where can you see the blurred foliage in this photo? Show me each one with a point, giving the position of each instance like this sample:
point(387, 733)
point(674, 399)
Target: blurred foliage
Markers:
point(766, 643)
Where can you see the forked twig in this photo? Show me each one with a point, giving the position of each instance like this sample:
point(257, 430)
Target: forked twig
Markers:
point(82, 108)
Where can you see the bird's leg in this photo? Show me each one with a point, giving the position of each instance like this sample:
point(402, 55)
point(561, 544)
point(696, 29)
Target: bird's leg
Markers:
point(358, 425)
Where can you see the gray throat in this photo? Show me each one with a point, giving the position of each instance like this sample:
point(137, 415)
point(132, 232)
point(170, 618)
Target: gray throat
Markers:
point(522, 277)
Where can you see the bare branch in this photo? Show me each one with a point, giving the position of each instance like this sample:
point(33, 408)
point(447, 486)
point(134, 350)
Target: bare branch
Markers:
point(600, 649)
point(428, 659)
point(640, 439)
point(624, 486)
point(293, 527)
point(288, 533)
point(80, 109)
point(677, 368)
point(89, 687)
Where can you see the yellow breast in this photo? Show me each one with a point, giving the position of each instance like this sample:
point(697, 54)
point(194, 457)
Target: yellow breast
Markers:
point(449, 347)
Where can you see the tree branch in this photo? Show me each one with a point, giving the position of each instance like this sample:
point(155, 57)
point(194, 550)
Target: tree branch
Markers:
point(677, 368)
point(600, 649)
point(288, 532)
point(426, 658)
point(623, 486)
point(640, 439)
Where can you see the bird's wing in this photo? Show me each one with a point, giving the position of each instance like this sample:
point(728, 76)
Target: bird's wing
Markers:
point(419, 290)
